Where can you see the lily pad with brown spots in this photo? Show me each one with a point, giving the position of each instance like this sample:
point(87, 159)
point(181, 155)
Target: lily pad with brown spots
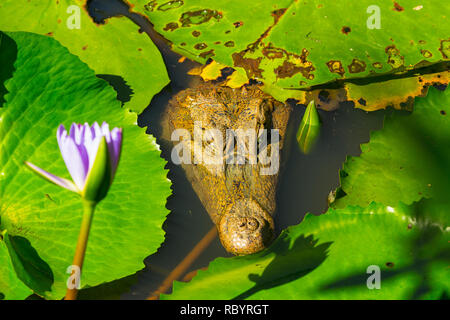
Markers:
point(299, 44)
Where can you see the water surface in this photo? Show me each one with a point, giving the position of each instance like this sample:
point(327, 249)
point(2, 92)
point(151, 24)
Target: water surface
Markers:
point(305, 182)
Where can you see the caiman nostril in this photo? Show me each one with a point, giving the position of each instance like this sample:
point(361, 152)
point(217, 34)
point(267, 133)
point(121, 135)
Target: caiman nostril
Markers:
point(252, 224)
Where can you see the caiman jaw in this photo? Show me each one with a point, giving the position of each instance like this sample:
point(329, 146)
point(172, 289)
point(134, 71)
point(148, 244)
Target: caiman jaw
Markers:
point(246, 228)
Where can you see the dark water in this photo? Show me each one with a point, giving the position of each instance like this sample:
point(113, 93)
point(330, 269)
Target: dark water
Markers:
point(304, 186)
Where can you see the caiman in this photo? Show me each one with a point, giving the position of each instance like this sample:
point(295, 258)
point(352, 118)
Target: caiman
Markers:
point(239, 197)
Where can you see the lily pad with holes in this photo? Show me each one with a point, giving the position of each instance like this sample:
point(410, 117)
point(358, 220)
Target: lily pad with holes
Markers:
point(51, 86)
point(292, 45)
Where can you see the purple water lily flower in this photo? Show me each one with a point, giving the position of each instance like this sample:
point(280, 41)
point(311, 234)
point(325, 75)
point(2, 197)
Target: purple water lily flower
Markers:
point(87, 149)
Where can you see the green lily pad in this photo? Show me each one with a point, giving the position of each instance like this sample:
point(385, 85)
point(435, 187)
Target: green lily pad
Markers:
point(114, 48)
point(11, 287)
point(51, 86)
point(299, 44)
point(409, 159)
point(331, 257)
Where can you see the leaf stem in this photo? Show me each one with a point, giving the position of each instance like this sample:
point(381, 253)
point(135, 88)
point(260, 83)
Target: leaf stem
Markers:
point(88, 214)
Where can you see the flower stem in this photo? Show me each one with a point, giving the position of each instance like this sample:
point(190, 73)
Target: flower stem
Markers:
point(88, 214)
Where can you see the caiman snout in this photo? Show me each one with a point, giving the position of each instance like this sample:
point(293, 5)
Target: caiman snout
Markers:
point(245, 228)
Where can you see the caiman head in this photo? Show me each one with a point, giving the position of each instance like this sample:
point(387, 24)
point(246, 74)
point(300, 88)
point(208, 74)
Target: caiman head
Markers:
point(239, 197)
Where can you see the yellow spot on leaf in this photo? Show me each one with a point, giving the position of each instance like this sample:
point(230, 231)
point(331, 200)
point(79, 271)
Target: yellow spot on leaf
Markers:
point(396, 93)
point(237, 79)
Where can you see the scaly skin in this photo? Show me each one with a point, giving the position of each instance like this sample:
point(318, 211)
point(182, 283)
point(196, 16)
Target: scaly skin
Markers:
point(238, 198)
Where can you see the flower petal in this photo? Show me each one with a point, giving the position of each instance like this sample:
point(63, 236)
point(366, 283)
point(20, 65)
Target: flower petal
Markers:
point(69, 185)
point(105, 132)
point(59, 133)
point(116, 148)
point(97, 130)
point(77, 134)
point(72, 131)
point(74, 161)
